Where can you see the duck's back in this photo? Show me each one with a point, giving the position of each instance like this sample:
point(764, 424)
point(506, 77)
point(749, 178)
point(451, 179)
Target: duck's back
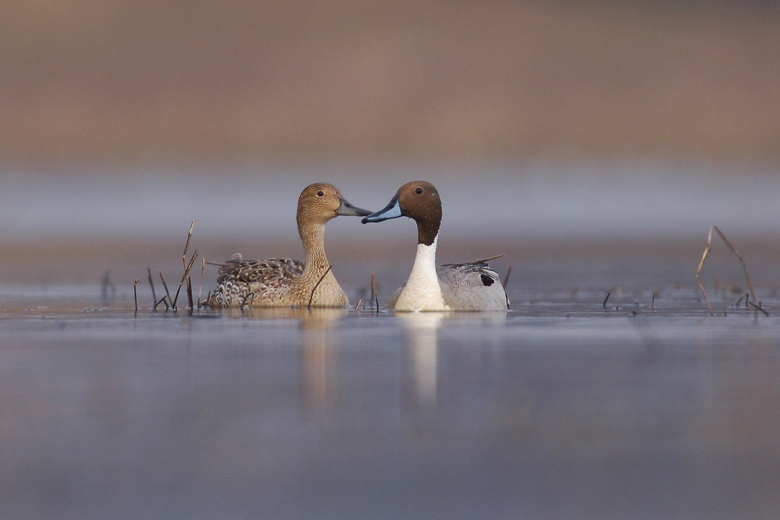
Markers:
point(259, 282)
point(471, 287)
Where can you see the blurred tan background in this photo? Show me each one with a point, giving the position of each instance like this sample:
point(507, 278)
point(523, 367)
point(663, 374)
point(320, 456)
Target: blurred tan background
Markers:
point(560, 130)
point(128, 81)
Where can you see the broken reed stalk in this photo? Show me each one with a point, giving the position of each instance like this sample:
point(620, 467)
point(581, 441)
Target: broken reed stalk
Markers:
point(374, 297)
point(736, 253)
point(187, 269)
point(187, 245)
point(758, 307)
point(741, 260)
point(317, 285)
point(652, 302)
point(167, 293)
point(162, 300)
point(483, 260)
point(202, 275)
point(701, 263)
point(506, 277)
point(187, 266)
point(604, 304)
point(357, 307)
point(135, 294)
point(154, 296)
point(189, 292)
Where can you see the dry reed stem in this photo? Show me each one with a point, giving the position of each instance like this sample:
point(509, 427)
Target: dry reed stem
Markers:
point(506, 277)
point(151, 283)
point(184, 263)
point(374, 293)
point(189, 293)
point(167, 293)
point(741, 260)
point(202, 276)
point(736, 253)
point(162, 300)
point(317, 285)
point(135, 294)
point(357, 307)
point(483, 260)
point(187, 269)
point(759, 308)
point(604, 304)
point(701, 263)
point(187, 245)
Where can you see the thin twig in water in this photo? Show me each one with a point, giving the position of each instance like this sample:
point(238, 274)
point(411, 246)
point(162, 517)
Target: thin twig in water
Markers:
point(605, 300)
point(374, 292)
point(189, 292)
point(357, 307)
point(759, 308)
point(135, 294)
point(154, 296)
point(741, 260)
point(167, 293)
point(187, 245)
point(187, 269)
point(202, 275)
point(736, 253)
point(483, 260)
point(652, 302)
point(317, 285)
point(506, 277)
point(701, 263)
point(244, 300)
point(162, 300)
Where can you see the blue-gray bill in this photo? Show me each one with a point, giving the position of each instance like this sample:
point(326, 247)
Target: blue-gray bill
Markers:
point(348, 210)
point(392, 210)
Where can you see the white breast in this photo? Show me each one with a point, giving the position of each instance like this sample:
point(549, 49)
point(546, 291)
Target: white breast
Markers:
point(422, 291)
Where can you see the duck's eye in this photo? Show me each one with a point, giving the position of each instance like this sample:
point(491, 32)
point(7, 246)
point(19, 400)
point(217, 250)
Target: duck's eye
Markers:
point(320, 193)
point(418, 191)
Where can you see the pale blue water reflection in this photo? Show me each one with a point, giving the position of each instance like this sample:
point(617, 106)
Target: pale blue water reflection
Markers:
point(585, 413)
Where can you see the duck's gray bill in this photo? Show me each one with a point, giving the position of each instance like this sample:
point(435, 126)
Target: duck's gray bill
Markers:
point(348, 210)
point(392, 210)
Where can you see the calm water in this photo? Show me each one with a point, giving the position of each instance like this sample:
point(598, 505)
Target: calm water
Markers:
point(562, 408)
point(642, 406)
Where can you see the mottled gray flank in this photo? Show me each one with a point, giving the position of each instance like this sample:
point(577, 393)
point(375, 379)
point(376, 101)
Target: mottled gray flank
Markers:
point(471, 287)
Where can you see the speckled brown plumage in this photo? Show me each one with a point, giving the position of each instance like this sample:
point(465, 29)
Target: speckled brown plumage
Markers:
point(283, 282)
point(238, 278)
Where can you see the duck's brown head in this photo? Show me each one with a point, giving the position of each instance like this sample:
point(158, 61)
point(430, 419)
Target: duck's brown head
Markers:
point(320, 202)
point(418, 200)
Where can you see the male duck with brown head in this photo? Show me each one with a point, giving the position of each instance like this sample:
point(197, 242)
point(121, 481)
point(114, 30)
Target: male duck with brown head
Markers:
point(457, 287)
point(283, 282)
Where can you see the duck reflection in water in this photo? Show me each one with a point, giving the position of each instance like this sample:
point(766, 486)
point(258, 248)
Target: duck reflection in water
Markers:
point(318, 378)
point(421, 330)
point(319, 382)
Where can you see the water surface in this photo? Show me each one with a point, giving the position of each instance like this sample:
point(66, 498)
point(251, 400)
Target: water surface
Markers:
point(563, 407)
